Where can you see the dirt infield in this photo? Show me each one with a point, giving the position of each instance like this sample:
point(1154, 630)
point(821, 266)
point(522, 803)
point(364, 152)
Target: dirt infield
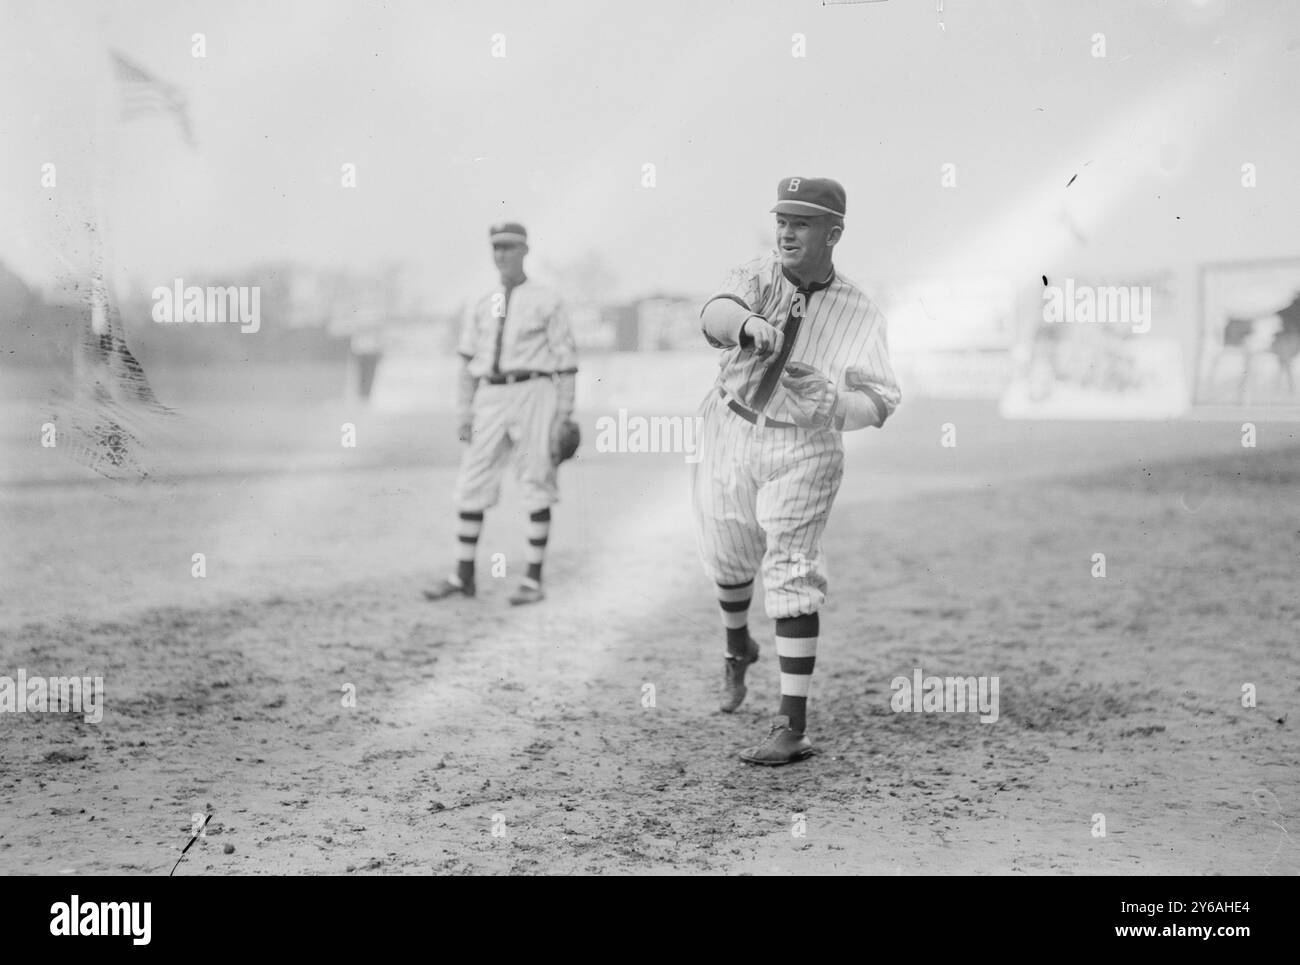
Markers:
point(1120, 696)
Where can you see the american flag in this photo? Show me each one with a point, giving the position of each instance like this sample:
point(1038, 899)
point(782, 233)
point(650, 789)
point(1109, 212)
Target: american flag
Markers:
point(144, 94)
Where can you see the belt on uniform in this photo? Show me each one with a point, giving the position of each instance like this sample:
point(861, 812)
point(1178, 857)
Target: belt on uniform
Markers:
point(510, 378)
point(749, 415)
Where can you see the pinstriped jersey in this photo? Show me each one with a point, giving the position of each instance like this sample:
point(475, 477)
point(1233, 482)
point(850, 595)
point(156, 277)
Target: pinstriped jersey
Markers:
point(841, 327)
point(522, 330)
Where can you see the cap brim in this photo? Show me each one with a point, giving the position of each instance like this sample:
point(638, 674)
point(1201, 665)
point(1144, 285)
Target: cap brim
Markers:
point(510, 236)
point(803, 207)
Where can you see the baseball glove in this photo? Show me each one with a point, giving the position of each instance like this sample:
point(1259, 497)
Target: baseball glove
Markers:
point(565, 438)
point(812, 396)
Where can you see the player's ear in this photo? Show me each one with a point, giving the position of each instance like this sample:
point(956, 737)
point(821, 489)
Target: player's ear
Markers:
point(836, 232)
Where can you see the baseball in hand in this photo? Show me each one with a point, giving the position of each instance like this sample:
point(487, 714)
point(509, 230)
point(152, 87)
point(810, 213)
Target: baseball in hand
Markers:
point(767, 337)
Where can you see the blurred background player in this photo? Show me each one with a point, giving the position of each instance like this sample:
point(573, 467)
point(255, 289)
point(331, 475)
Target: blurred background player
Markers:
point(516, 390)
point(804, 359)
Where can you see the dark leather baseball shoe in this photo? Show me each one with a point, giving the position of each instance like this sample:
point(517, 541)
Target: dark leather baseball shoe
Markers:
point(450, 587)
point(733, 677)
point(527, 593)
point(783, 746)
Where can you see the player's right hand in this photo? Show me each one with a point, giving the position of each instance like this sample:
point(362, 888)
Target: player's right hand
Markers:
point(767, 338)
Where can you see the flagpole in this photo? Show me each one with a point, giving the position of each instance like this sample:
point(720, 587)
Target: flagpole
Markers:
point(101, 180)
point(100, 184)
point(105, 365)
point(89, 367)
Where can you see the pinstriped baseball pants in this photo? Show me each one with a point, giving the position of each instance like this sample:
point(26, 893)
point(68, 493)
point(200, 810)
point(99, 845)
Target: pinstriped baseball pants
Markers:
point(761, 498)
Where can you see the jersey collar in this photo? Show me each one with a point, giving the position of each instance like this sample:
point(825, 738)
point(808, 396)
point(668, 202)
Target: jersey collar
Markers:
point(816, 287)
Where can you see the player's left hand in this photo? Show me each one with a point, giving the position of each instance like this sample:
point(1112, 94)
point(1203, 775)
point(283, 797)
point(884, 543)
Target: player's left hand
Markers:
point(812, 398)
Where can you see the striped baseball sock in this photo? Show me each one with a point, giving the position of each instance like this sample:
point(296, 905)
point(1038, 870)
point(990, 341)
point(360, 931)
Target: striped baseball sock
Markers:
point(467, 533)
point(796, 646)
point(539, 531)
point(734, 600)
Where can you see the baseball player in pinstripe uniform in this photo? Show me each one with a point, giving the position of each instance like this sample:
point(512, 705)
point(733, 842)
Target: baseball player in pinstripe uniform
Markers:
point(516, 390)
point(804, 358)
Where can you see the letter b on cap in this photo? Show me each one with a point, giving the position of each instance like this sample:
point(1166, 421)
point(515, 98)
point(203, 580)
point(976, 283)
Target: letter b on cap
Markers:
point(794, 185)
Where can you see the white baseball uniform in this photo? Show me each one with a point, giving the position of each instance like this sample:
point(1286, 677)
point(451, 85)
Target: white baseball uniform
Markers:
point(762, 489)
point(515, 342)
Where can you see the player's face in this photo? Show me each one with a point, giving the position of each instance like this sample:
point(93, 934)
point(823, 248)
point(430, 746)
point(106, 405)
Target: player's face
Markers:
point(804, 241)
point(509, 258)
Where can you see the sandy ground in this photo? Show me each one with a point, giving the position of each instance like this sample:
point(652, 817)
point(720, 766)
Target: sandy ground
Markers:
point(1119, 696)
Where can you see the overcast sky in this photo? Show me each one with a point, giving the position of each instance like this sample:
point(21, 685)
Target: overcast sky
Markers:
point(447, 138)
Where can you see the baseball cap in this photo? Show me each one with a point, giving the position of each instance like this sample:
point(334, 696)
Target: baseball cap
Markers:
point(811, 196)
point(508, 231)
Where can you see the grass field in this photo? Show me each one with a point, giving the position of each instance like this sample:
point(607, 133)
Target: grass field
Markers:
point(1120, 696)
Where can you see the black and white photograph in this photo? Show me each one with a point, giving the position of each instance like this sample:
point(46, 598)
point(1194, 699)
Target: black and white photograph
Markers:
point(691, 438)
